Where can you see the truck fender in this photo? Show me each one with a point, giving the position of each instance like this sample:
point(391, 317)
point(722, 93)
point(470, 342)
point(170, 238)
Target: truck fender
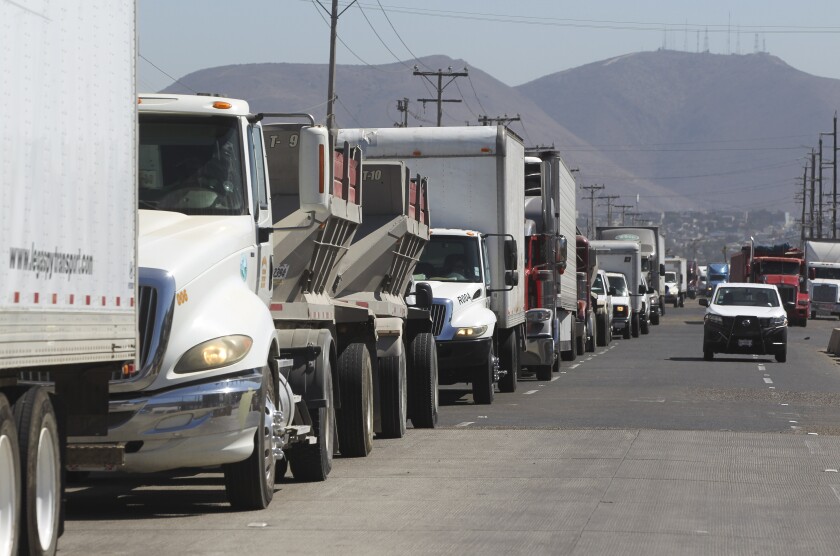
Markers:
point(389, 337)
point(312, 351)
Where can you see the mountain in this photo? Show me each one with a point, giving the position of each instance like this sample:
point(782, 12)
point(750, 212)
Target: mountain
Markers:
point(726, 131)
point(683, 131)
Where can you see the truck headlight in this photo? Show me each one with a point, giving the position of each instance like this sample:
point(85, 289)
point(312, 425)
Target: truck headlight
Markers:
point(215, 353)
point(717, 319)
point(538, 315)
point(471, 331)
point(779, 321)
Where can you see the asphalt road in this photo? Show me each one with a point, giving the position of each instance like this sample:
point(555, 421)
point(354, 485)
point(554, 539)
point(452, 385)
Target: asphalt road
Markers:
point(640, 448)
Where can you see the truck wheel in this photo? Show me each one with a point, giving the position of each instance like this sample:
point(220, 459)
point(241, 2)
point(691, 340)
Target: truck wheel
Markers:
point(654, 317)
point(249, 483)
point(804, 322)
point(10, 479)
point(355, 418)
point(708, 355)
point(543, 372)
point(581, 344)
point(682, 301)
point(482, 380)
point(393, 395)
point(423, 396)
point(40, 466)
point(601, 325)
point(813, 315)
point(313, 462)
point(626, 332)
point(634, 325)
point(781, 356)
point(509, 360)
point(644, 326)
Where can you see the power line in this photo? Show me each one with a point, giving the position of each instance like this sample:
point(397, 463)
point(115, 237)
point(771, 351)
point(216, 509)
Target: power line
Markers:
point(166, 74)
point(440, 87)
point(399, 36)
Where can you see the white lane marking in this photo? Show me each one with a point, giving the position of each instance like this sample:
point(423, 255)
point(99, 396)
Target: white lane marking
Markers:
point(771, 387)
point(793, 421)
point(530, 392)
point(783, 404)
point(555, 378)
point(465, 424)
point(762, 367)
point(574, 366)
point(834, 489)
point(768, 380)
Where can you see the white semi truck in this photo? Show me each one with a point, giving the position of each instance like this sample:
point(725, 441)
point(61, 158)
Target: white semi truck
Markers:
point(475, 254)
point(822, 261)
point(555, 330)
point(68, 295)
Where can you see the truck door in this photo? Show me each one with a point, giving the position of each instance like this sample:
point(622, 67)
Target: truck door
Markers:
point(261, 209)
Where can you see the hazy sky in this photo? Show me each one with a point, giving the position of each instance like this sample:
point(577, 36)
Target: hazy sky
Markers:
point(515, 41)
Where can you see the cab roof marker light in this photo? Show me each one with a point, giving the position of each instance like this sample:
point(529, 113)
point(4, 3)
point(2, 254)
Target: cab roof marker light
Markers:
point(221, 105)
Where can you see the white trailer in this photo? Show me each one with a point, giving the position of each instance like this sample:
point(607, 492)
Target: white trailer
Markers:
point(477, 179)
point(822, 259)
point(68, 246)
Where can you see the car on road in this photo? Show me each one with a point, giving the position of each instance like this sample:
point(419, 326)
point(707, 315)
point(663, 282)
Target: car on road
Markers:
point(621, 304)
point(745, 318)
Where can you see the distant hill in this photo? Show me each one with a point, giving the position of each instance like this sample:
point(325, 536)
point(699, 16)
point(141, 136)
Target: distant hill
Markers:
point(626, 122)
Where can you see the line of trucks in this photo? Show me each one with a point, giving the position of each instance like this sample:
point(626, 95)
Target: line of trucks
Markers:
point(189, 284)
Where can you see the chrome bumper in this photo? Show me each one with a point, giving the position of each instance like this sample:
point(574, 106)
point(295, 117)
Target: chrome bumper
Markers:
point(538, 351)
point(198, 425)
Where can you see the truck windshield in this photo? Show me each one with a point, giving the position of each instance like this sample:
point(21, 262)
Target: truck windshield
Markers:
point(450, 259)
point(598, 286)
point(191, 165)
point(618, 282)
point(754, 297)
point(779, 267)
point(827, 273)
point(717, 277)
point(670, 277)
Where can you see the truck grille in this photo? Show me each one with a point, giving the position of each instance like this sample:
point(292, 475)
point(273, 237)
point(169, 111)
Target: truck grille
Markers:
point(824, 292)
point(438, 317)
point(787, 293)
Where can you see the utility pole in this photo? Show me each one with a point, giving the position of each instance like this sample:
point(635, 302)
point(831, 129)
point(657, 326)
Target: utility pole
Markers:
point(592, 189)
point(623, 209)
point(834, 181)
point(813, 183)
point(402, 107)
point(609, 199)
point(820, 215)
point(804, 196)
point(331, 127)
point(504, 120)
point(439, 87)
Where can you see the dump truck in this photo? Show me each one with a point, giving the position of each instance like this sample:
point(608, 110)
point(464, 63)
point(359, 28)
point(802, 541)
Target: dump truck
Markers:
point(475, 253)
point(68, 281)
point(781, 265)
point(376, 272)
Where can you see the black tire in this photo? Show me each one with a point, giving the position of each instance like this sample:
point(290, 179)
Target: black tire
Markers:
point(589, 346)
point(708, 354)
point(482, 380)
point(581, 343)
point(249, 484)
point(654, 317)
point(804, 322)
point(644, 326)
point(10, 464)
point(423, 385)
point(313, 462)
point(571, 353)
point(626, 332)
point(393, 392)
point(40, 466)
point(601, 325)
point(682, 301)
point(355, 418)
point(813, 315)
point(781, 356)
point(509, 359)
point(634, 325)
point(661, 307)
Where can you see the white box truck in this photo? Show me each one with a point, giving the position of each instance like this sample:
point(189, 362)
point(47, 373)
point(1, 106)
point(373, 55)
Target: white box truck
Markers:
point(822, 260)
point(67, 245)
point(676, 280)
point(475, 253)
point(625, 257)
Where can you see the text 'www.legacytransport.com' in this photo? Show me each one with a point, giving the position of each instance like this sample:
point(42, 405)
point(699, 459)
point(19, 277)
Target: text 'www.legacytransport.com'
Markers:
point(47, 263)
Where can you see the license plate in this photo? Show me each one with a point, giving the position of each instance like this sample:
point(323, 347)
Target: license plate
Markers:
point(744, 343)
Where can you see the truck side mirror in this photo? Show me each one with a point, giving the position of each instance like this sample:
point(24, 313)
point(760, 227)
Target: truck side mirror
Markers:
point(511, 255)
point(662, 270)
point(642, 289)
point(423, 296)
point(511, 278)
point(561, 246)
point(704, 302)
point(812, 273)
point(650, 290)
